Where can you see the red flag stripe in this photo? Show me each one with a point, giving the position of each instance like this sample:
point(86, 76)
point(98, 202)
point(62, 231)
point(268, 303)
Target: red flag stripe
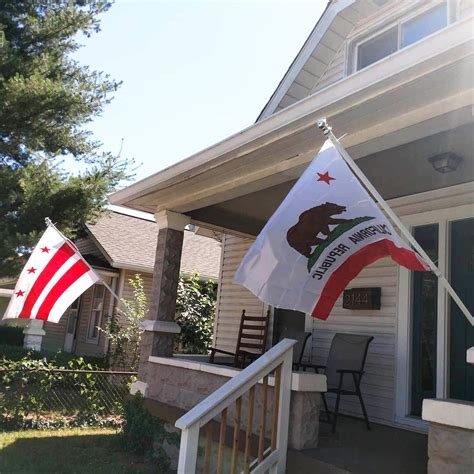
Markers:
point(57, 261)
point(70, 277)
point(346, 272)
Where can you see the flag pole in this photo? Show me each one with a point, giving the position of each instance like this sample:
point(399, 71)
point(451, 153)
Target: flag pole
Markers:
point(49, 223)
point(327, 130)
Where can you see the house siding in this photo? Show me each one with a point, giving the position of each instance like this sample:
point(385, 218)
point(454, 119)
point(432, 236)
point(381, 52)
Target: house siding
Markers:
point(53, 340)
point(378, 384)
point(334, 71)
point(232, 299)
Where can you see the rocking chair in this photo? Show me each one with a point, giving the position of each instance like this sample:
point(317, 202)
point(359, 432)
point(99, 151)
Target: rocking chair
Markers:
point(250, 341)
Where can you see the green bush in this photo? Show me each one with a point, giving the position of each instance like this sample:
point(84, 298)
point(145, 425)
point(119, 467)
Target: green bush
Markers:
point(145, 434)
point(33, 395)
point(11, 335)
point(195, 310)
point(58, 359)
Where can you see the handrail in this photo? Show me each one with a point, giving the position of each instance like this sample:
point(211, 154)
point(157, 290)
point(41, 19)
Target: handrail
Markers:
point(231, 394)
point(235, 387)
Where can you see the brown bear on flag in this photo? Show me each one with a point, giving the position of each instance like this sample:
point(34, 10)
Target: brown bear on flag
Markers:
point(322, 235)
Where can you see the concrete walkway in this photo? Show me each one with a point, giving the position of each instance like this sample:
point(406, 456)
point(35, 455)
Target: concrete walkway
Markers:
point(354, 449)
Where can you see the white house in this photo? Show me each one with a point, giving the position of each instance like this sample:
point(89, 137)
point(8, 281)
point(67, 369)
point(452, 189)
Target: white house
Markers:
point(396, 79)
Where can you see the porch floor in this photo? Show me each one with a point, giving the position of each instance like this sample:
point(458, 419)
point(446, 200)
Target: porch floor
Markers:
point(354, 449)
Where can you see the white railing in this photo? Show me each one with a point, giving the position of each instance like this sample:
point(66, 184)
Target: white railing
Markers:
point(239, 390)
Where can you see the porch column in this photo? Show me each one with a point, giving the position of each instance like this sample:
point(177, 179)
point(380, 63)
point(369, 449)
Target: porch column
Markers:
point(34, 333)
point(160, 328)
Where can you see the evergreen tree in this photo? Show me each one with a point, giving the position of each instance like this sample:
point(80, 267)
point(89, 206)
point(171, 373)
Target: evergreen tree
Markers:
point(46, 100)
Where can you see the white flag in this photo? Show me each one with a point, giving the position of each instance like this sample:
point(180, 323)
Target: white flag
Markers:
point(54, 276)
point(323, 234)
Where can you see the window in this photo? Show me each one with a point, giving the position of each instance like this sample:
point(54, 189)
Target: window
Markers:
point(401, 35)
point(377, 48)
point(423, 25)
point(96, 313)
point(424, 322)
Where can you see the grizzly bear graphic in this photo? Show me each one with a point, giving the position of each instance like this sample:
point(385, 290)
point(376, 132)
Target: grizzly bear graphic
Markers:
point(304, 234)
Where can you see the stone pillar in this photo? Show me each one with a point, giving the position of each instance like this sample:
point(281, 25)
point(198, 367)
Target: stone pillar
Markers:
point(160, 328)
point(34, 333)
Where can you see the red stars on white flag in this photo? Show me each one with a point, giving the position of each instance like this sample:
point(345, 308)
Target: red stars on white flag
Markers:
point(54, 276)
point(323, 234)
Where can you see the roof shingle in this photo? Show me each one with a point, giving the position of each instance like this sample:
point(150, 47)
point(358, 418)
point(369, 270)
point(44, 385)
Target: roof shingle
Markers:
point(130, 242)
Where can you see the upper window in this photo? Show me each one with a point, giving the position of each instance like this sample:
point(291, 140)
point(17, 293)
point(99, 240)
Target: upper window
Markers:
point(423, 25)
point(401, 35)
point(96, 313)
point(377, 48)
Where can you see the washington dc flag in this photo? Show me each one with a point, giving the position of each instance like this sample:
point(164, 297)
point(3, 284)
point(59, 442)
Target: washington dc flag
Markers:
point(323, 234)
point(54, 276)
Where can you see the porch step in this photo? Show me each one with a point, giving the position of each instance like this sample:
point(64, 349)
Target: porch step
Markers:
point(299, 463)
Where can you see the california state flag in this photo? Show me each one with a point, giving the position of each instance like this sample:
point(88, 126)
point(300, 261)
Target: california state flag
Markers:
point(323, 234)
point(54, 276)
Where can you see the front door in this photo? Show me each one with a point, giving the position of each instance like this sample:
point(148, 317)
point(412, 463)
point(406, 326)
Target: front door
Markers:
point(461, 374)
point(71, 328)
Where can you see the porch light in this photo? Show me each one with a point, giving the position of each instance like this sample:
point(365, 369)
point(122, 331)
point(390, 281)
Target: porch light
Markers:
point(445, 162)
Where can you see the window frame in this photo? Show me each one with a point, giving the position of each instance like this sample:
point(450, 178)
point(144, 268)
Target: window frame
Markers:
point(95, 339)
point(390, 23)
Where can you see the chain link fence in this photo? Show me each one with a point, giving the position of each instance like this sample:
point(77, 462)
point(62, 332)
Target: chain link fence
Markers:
point(63, 397)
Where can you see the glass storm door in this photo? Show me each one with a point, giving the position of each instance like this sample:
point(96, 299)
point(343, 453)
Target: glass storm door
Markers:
point(424, 323)
point(461, 374)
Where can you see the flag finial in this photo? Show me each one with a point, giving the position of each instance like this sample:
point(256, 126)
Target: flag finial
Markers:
point(323, 125)
point(48, 222)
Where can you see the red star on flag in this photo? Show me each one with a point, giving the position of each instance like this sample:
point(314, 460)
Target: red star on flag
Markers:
point(31, 270)
point(325, 177)
point(44, 250)
point(19, 293)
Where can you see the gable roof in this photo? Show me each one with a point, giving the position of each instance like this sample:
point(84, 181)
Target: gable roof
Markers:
point(130, 242)
point(328, 36)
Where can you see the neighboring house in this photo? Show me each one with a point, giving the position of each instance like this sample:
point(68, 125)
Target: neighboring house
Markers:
point(397, 78)
point(119, 246)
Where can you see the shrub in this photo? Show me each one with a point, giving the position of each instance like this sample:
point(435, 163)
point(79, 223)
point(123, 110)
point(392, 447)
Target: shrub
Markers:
point(145, 434)
point(34, 395)
point(195, 308)
point(11, 335)
point(123, 328)
point(57, 359)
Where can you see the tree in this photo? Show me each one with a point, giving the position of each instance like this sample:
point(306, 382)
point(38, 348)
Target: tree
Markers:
point(195, 308)
point(123, 327)
point(46, 100)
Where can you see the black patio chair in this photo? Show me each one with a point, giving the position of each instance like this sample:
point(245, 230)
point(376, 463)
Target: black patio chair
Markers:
point(298, 349)
point(344, 369)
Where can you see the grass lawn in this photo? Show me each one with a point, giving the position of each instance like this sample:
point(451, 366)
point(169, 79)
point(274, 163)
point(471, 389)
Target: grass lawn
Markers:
point(77, 450)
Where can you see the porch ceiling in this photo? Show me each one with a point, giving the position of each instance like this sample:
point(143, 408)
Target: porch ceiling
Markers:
point(396, 172)
point(380, 107)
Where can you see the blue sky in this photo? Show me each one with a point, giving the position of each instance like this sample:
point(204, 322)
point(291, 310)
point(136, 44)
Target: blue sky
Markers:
point(193, 72)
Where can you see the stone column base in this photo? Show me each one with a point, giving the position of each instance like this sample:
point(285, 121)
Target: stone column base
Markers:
point(34, 335)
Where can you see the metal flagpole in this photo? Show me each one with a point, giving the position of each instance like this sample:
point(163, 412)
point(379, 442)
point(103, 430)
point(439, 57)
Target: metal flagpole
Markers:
point(49, 223)
point(327, 130)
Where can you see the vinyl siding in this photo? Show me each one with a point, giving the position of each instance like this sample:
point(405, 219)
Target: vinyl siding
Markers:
point(334, 71)
point(466, 8)
point(232, 299)
point(53, 340)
